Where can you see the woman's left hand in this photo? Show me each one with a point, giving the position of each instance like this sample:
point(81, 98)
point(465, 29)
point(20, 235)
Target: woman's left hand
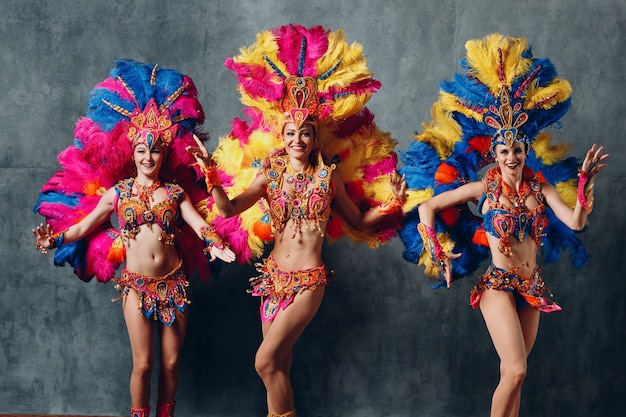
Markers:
point(200, 152)
point(592, 163)
point(224, 253)
point(398, 185)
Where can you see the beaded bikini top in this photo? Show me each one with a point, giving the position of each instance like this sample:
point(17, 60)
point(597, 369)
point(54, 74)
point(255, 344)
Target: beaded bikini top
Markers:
point(503, 220)
point(132, 212)
point(312, 188)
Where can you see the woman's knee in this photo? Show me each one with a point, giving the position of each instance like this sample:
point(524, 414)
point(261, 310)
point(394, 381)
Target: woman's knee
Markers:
point(169, 364)
point(264, 363)
point(268, 363)
point(142, 367)
point(514, 373)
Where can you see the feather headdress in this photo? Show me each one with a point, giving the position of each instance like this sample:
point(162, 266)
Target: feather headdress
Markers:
point(504, 95)
point(136, 103)
point(293, 73)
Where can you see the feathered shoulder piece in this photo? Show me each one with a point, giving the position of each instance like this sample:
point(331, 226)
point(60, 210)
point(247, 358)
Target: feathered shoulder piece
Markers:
point(503, 95)
point(136, 103)
point(296, 74)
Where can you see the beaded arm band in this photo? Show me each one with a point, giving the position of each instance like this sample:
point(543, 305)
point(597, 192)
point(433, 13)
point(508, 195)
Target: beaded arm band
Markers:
point(211, 239)
point(211, 178)
point(390, 206)
point(58, 239)
point(585, 189)
point(431, 245)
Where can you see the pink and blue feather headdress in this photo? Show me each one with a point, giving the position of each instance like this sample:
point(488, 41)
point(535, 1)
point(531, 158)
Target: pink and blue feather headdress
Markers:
point(137, 103)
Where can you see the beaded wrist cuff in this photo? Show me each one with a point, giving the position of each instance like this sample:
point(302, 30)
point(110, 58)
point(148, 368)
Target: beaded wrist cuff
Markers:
point(211, 239)
point(584, 192)
point(211, 178)
point(390, 206)
point(432, 245)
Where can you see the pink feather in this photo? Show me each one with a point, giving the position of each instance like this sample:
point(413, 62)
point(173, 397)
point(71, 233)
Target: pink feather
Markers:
point(289, 40)
point(383, 167)
point(258, 81)
point(363, 119)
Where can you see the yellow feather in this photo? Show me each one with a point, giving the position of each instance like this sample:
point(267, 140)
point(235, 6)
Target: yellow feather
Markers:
point(482, 55)
point(451, 103)
point(443, 132)
point(228, 154)
point(416, 197)
point(550, 153)
point(557, 91)
point(514, 63)
point(567, 190)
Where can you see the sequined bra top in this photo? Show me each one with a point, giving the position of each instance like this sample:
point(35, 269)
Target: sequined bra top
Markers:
point(312, 188)
point(502, 220)
point(133, 212)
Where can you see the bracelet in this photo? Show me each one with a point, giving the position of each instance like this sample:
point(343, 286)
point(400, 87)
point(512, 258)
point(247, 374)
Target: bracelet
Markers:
point(211, 239)
point(390, 206)
point(211, 177)
point(57, 240)
point(432, 245)
point(40, 248)
point(584, 192)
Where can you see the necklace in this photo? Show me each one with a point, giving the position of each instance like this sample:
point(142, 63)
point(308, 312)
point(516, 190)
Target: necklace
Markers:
point(145, 192)
point(518, 199)
point(299, 180)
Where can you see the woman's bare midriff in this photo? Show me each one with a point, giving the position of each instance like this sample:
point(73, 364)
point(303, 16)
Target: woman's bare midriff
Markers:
point(149, 256)
point(523, 259)
point(303, 251)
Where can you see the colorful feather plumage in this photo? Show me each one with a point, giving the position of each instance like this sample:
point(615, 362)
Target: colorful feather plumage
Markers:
point(100, 156)
point(349, 137)
point(454, 147)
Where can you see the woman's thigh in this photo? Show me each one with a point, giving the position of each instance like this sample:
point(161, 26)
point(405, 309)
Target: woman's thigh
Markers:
point(503, 323)
point(281, 334)
point(140, 329)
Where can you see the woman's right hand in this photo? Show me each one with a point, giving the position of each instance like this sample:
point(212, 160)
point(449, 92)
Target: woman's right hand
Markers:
point(43, 237)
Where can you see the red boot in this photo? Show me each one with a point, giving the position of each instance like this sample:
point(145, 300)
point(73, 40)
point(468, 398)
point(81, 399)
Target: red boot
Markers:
point(139, 412)
point(165, 409)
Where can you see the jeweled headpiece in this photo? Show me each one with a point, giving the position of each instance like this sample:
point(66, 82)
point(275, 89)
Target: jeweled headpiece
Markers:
point(501, 119)
point(151, 126)
point(299, 103)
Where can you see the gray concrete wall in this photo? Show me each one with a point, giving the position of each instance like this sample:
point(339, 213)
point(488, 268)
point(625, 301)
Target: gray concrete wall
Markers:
point(383, 344)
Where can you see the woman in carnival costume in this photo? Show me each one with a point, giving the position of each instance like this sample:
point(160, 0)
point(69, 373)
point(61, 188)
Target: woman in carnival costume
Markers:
point(530, 198)
point(129, 158)
point(326, 172)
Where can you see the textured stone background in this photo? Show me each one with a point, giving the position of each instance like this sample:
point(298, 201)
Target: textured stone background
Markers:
point(383, 344)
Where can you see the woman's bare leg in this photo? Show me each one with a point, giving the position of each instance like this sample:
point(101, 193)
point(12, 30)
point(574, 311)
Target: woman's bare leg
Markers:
point(140, 333)
point(274, 357)
point(509, 339)
point(172, 340)
point(529, 320)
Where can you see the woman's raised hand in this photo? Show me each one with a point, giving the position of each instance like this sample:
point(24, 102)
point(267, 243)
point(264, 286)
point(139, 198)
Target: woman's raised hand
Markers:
point(592, 164)
point(200, 152)
point(398, 185)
